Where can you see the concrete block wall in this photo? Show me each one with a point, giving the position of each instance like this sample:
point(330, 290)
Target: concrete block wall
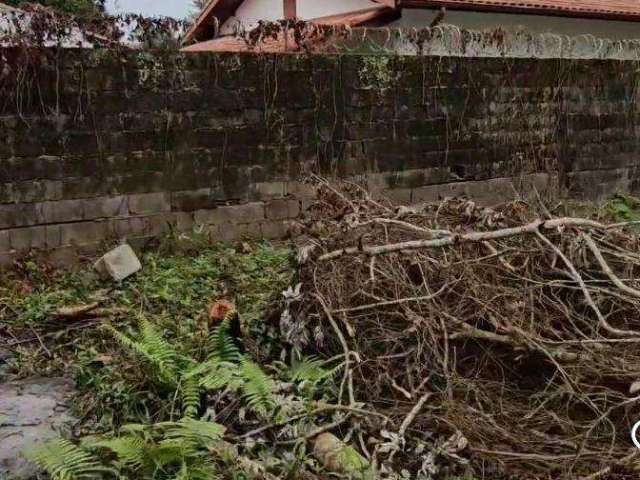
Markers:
point(102, 145)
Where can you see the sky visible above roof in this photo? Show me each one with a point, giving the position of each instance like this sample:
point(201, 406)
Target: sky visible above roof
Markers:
point(170, 8)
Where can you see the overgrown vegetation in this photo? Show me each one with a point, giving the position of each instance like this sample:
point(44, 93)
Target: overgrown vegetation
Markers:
point(219, 362)
point(171, 295)
point(166, 388)
point(75, 7)
point(174, 449)
point(624, 208)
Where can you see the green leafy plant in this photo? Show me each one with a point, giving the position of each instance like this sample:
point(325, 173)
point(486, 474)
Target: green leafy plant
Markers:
point(163, 450)
point(67, 6)
point(64, 460)
point(181, 449)
point(310, 374)
point(308, 369)
point(152, 348)
point(624, 208)
point(257, 388)
point(224, 367)
point(191, 448)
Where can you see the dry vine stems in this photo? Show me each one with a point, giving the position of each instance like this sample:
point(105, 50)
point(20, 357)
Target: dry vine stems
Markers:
point(513, 337)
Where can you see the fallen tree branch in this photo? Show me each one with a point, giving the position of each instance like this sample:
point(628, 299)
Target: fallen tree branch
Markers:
point(393, 302)
point(347, 352)
point(454, 239)
point(623, 461)
point(607, 269)
point(587, 295)
point(73, 313)
point(413, 413)
point(408, 226)
point(514, 345)
point(88, 324)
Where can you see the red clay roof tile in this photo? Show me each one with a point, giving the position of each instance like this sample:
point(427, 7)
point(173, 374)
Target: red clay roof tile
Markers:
point(608, 9)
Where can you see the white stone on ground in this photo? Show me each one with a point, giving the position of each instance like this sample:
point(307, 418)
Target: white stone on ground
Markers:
point(119, 263)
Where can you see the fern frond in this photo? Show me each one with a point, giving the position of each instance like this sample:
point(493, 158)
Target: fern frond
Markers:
point(226, 375)
point(192, 434)
point(64, 460)
point(215, 374)
point(257, 387)
point(153, 349)
point(130, 450)
point(205, 471)
point(309, 369)
point(222, 378)
point(166, 453)
point(183, 474)
point(222, 346)
point(159, 348)
point(190, 394)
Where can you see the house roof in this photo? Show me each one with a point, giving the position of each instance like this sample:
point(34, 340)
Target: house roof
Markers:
point(368, 16)
point(605, 9)
point(218, 11)
point(204, 27)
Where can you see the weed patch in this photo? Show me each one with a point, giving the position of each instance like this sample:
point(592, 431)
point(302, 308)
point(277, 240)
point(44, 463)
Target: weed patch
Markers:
point(173, 291)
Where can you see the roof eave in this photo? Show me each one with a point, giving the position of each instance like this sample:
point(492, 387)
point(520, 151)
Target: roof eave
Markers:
point(359, 18)
point(366, 17)
point(220, 9)
point(370, 16)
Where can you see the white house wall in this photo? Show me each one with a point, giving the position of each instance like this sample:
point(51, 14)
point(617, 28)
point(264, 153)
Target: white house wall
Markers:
point(308, 9)
point(252, 11)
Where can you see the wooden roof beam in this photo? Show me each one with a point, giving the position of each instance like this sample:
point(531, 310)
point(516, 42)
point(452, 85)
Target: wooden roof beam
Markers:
point(290, 8)
point(388, 3)
point(205, 26)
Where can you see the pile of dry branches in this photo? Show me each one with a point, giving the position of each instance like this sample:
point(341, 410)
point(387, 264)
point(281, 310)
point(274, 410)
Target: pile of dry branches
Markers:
point(500, 339)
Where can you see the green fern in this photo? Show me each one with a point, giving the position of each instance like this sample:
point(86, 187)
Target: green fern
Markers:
point(130, 450)
point(190, 393)
point(206, 471)
point(225, 367)
point(257, 387)
point(309, 369)
point(215, 374)
point(192, 434)
point(183, 474)
point(165, 453)
point(160, 356)
point(64, 460)
point(199, 472)
point(222, 346)
point(162, 446)
point(178, 450)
